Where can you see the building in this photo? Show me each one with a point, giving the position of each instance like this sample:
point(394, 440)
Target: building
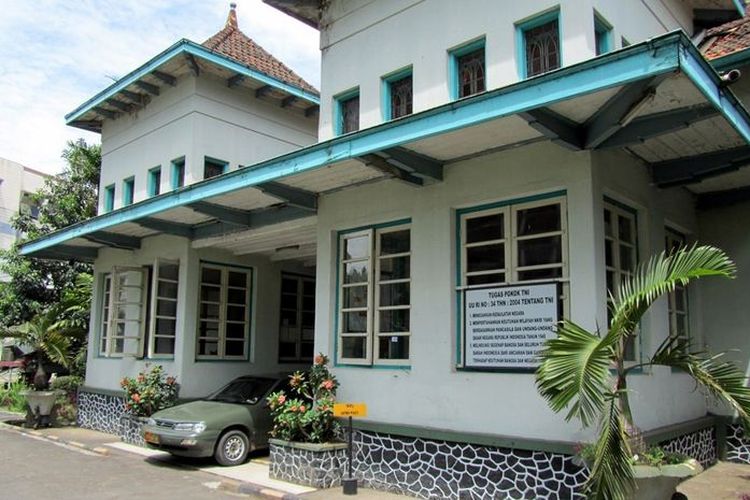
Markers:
point(17, 185)
point(534, 149)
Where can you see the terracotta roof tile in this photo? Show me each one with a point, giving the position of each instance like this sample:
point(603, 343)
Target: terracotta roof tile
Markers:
point(233, 43)
point(727, 38)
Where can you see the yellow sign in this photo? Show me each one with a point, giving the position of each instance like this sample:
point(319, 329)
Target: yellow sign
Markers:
point(349, 410)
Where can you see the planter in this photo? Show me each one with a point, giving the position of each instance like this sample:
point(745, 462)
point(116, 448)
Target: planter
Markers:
point(40, 404)
point(309, 464)
point(131, 429)
point(660, 483)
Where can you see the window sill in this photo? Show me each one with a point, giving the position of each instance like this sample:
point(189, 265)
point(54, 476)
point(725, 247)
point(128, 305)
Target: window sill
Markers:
point(371, 367)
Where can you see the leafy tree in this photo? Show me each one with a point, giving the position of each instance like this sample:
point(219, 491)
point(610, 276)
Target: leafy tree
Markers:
point(66, 199)
point(586, 373)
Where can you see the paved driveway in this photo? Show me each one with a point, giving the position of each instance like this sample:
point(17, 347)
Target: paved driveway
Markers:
point(35, 469)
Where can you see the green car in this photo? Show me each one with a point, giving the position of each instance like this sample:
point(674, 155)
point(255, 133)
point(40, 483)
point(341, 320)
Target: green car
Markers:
point(226, 425)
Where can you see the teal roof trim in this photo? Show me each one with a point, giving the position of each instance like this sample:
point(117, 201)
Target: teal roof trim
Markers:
point(188, 47)
point(740, 6)
point(665, 54)
point(732, 61)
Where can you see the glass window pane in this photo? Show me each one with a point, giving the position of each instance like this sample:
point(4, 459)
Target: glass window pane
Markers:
point(630, 349)
point(308, 348)
point(308, 320)
point(679, 295)
point(236, 313)
point(235, 330)
point(353, 347)
point(210, 293)
point(395, 242)
point(539, 251)
point(287, 349)
point(486, 279)
point(610, 281)
point(355, 272)
point(288, 285)
point(208, 329)
point(608, 257)
point(355, 322)
point(393, 347)
point(401, 97)
point(289, 301)
point(308, 287)
point(542, 48)
point(357, 248)
point(627, 258)
point(608, 223)
point(395, 268)
point(396, 320)
point(288, 318)
point(236, 296)
point(166, 327)
point(164, 345)
point(485, 257)
point(210, 275)
point(208, 347)
point(167, 289)
point(166, 308)
point(350, 115)
point(119, 346)
point(308, 303)
point(169, 271)
point(210, 311)
point(540, 274)
point(485, 228)
point(471, 73)
point(538, 220)
point(237, 279)
point(394, 294)
point(355, 296)
point(625, 229)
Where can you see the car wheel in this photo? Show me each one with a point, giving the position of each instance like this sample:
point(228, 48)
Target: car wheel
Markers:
point(232, 448)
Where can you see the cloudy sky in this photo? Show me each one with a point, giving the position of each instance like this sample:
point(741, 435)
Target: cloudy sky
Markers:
point(55, 54)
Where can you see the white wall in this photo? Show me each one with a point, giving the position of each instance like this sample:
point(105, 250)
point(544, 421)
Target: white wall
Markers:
point(362, 40)
point(432, 393)
point(196, 378)
point(198, 117)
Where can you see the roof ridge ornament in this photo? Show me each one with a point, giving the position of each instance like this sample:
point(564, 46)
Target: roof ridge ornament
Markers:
point(232, 17)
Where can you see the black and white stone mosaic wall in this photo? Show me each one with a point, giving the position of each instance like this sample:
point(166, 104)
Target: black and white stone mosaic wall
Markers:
point(700, 445)
point(738, 445)
point(319, 469)
point(100, 412)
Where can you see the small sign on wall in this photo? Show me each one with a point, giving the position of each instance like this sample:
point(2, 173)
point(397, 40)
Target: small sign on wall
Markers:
point(505, 327)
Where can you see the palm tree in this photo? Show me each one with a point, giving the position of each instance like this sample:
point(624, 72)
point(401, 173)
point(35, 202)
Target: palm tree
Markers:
point(586, 372)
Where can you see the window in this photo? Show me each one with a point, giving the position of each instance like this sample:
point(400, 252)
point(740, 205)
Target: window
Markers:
point(297, 318)
point(374, 295)
point(154, 181)
point(178, 173)
point(213, 167)
point(539, 44)
point(224, 312)
point(346, 117)
point(109, 198)
point(126, 310)
point(620, 256)
point(163, 327)
point(398, 90)
point(128, 186)
point(602, 35)
point(677, 300)
point(467, 68)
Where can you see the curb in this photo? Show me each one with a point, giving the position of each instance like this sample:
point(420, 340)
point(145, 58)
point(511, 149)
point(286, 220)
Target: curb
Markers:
point(99, 450)
point(256, 490)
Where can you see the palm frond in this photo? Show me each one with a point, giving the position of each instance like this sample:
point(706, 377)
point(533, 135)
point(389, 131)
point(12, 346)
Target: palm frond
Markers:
point(575, 369)
point(659, 275)
point(719, 376)
point(611, 474)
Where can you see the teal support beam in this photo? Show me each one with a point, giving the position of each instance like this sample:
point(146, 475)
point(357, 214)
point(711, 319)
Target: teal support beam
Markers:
point(165, 77)
point(166, 227)
point(415, 163)
point(105, 113)
point(122, 106)
point(256, 219)
point(262, 91)
point(379, 163)
point(654, 125)
point(235, 80)
point(68, 252)
point(148, 87)
point(555, 127)
point(223, 214)
point(140, 99)
point(288, 101)
point(692, 169)
point(114, 240)
point(193, 64)
point(295, 197)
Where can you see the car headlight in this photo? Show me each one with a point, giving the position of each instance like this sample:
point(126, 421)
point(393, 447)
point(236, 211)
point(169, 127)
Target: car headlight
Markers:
point(150, 421)
point(190, 426)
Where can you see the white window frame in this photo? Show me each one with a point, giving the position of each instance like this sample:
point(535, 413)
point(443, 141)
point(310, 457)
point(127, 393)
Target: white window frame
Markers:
point(104, 320)
point(616, 210)
point(674, 238)
point(300, 311)
point(155, 298)
point(372, 308)
point(110, 339)
point(223, 307)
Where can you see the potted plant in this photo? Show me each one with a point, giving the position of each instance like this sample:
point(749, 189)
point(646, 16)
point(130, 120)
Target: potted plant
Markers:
point(50, 339)
point(304, 428)
point(587, 373)
point(145, 394)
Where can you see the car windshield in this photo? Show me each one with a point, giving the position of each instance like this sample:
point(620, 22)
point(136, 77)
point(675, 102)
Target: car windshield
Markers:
point(243, 390)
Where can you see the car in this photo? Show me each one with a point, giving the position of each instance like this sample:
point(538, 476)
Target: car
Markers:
point(227, 425)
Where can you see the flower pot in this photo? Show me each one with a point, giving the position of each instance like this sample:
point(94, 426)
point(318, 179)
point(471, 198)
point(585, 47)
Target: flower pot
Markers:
point(319, 465)
point(40, 403)
point(660, 483)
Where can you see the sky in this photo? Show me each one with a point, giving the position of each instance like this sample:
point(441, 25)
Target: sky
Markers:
point(56, 54)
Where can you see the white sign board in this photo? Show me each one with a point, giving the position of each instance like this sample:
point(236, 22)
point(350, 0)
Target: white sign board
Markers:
point(505, 327)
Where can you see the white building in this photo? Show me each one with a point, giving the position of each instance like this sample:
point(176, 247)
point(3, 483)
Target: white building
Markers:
point(537, 145)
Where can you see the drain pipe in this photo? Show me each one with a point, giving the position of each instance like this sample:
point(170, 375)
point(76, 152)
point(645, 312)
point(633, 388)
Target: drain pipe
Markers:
point(729, 77)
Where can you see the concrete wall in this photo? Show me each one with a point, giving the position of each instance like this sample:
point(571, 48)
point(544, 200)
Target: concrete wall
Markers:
point(197, 378)
point(198, 117)
point(393, 34)
point(433, 393)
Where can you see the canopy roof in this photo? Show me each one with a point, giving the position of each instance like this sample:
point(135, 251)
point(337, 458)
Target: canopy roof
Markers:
point(659, 99)
point(229, 54)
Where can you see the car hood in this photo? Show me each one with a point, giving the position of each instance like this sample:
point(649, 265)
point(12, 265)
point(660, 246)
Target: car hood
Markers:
point(205, 411)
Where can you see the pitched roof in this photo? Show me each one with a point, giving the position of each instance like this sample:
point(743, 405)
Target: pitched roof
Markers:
point(727, 38)
point(233, 43)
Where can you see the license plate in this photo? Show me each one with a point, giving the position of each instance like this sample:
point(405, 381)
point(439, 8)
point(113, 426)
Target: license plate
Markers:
point(150, 437)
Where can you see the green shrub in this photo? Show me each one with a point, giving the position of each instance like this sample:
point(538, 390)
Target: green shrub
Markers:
point(149, 392)
point(67, 383)
point(11, 398)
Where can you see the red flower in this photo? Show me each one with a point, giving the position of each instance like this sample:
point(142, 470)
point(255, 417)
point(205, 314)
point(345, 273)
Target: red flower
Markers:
point(170, 380)
point(320, 359)
point(302, 408)
point(136, 397)
point(327, 384)
point(141, 378)
point(281, 399)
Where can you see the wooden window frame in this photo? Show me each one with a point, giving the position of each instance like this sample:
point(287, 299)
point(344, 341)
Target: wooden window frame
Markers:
point(214, 162)
point(340, 101)
point(299, 312)
point(179, 167)
point(155, 298)
point(523, 27)
point(110, 338)
point(154, 181)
